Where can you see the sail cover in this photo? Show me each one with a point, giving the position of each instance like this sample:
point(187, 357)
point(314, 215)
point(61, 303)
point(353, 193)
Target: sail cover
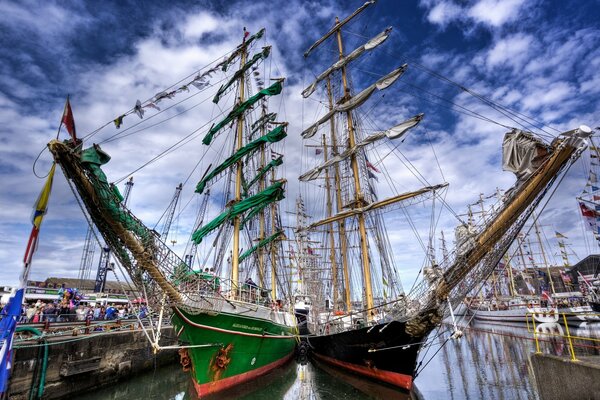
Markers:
point(259, 56)
point(371, 44)
point(392, 133)
point(272, 90)
point(522, 153)
point(274, 136)
point(275, 192)
point(357, 100)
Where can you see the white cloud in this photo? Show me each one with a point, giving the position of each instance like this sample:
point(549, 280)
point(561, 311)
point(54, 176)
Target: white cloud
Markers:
point(495, 12)
point(513, 51)
point(492, 14)
point(444, 12)
point(197, 25)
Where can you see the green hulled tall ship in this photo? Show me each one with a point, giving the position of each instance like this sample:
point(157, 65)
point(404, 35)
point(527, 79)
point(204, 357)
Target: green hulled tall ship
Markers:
point(230, 328)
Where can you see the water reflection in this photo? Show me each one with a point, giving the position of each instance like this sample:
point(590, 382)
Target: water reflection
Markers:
point(489, 362)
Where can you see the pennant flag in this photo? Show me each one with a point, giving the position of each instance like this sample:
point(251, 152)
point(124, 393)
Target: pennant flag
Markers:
point(595, 188)
point(68, 121)
point(10, 315)
point(119, 121)
point(586, 212)
point(152, 105)
point(372, 167)
point(318, 151)
point(593, 177)
point(372, 176)
point(246, 34)
point(559, 235)
point(138, 109)
point(40, 208)
point(596, 198)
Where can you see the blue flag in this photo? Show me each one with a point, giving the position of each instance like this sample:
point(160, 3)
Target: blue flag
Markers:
point(10, 315)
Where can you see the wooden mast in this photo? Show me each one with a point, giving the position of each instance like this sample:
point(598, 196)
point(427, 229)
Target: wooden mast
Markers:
point(261, 218)
point(332, 258)
point(358, 197)
point(539, 237)
point(515, 206)
point(273, 244)
point(235, 271)
point(338, 196)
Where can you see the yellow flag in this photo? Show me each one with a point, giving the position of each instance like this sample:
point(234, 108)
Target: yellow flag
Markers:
point(41, 205)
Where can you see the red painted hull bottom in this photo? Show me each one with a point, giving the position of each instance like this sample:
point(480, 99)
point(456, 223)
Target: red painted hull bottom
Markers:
point(393, 378)
point(226, 383)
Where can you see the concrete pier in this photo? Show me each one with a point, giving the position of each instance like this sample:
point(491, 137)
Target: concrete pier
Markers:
point(82, 363)
point(559, 378)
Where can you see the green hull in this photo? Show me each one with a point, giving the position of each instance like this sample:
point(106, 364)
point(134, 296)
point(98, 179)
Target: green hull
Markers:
point(232, 348)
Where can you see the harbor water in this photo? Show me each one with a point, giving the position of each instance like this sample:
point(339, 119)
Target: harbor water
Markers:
point(490, 361)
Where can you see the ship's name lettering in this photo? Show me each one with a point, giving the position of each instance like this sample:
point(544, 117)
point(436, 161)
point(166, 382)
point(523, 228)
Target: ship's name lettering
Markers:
point(250, 328)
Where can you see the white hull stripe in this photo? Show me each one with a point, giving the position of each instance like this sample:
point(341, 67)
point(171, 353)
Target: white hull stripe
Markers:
point(212, 328)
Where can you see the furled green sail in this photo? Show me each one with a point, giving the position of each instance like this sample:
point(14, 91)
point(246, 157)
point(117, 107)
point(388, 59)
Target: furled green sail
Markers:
point(260, 244)
point(260, 56)
point(275, 192)
point(91, 159)
point(272, 90)
point(273, 136)
point(274, 163)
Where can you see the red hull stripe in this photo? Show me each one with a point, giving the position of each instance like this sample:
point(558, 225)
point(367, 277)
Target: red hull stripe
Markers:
point(394, 378)
point(217, 386)
point(212, 328)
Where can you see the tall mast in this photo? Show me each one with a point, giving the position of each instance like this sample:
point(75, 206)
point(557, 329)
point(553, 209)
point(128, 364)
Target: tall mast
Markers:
point(358, 198)
point(273, 245)
point(261, 218)
point(332, 259)
point(235, 271)
point(508, 267)
point(338, 196)
point(539, 237)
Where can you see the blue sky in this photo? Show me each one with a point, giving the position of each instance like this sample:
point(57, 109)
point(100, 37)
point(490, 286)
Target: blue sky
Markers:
point(539, 58)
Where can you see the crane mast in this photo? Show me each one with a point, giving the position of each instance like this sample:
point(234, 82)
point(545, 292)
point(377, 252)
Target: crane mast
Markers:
point(170, 213)
point(189, 255)
point(104, 265)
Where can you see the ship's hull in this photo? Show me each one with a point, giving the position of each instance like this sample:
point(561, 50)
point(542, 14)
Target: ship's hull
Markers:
point(384, 352)
point(578, 314)
point(517, 315)
point(226, 349)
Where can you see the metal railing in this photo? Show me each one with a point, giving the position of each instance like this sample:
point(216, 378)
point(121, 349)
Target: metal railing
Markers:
point(564, 322)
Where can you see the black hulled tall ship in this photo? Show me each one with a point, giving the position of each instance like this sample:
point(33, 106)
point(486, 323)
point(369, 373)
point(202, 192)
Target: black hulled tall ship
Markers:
point(361, 319)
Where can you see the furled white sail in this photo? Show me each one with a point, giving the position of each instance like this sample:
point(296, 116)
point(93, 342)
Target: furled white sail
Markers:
point(357, 100)
point(371, 44)
point(392, 133)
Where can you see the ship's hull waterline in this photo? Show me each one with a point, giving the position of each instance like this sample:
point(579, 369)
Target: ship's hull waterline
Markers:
point(225, 350)
point(384, 352)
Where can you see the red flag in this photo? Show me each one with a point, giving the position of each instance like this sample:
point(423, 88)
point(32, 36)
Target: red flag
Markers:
point(68, 121)
point(596, 198)
point(371, 166)
point(587, 212)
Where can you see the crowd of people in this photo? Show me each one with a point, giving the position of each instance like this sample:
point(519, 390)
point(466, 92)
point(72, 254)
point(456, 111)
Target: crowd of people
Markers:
point(52, 312)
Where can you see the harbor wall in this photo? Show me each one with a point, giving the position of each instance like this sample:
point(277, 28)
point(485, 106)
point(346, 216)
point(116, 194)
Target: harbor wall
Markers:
point(559, 378)
point(86, 362)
